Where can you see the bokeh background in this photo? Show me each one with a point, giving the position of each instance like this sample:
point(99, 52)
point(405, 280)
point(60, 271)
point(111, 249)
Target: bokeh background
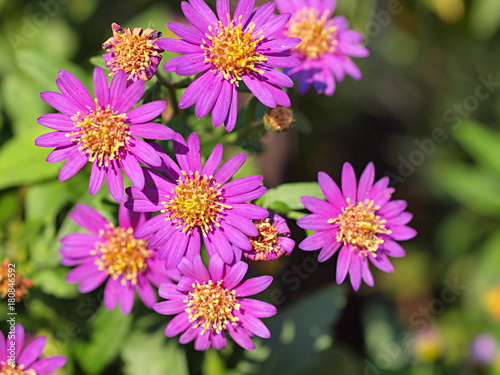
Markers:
point(426, 112)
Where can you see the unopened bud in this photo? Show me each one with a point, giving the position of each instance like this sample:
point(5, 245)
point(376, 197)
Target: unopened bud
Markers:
point(278, 119)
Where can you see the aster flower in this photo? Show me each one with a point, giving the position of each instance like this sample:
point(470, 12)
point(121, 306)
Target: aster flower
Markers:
point(326, 45)
point(209, 302)
point(103, 131)
point(195, 201)
point(226, 50)
point(360, 220)
point(273, 240)
point(112, 254)
point(134, 51)
point(19, 357)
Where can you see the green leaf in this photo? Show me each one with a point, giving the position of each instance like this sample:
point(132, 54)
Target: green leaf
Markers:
point(44, 201)
point(474, 188)
point(301, 123)
point(98, 61)
point(301, 332)
point(22, 104)
point(290, 194)
point(147, 353)
point(109, 333)
point(23, 163)
point(53, 281)
point(485, 18)
point(481, 143)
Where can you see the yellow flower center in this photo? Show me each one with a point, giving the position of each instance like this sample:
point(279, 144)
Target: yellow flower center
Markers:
point(267, 240)
point(102, 133)
point(317, 33)
point(133, 49)
point(360, 227)
point(7, 369)
point(211, 306)
point(232, 50)
point(120, 254)
point(197, 201)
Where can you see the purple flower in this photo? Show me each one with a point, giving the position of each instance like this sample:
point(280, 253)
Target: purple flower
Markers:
point(112, 253)
point(134, 51)
point(103, 131)
point(484, 349)
point(326, 44)
point(360, 220)
point(18, 357)
point(226, 50)
point(196, 200)
point(208, 303)
point(273, 240)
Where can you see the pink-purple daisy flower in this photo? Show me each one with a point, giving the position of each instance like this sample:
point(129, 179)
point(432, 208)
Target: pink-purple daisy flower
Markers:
point(114, 255)
point(210, 302)
point(20, 356)
point(226, 50)
point(272, 241)
point(195, 200)
point(326, 47)
point(103, 131)
point(360, 220)
point(134, 51)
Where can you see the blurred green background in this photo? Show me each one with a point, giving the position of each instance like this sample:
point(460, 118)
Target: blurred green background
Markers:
point(427, 112)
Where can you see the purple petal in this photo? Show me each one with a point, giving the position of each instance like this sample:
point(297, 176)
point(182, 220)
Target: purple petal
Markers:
point(253, 286)
point(32, 351)
point(133, 170)
point(211, 92)
point(146, 112)
point(96, 178)
point(88, 218)
point(317, 241)
point(366, 273)
point(223, 11)
point(343, 263)
point(254, 325)
point(101, 88)
point(366, 182)
point(240, 336)
point(315, 222)
point(382, 262)
point(402, 233)
point(56, 121)
point(129, 97)
point(112, 291)
point(394, 249)
point(177, 325)
point(170, 307)
point(249, 211)
point(126, 299)
point(185, 32)
point(75, 162)
point(235, 275)
point(194, 90)
point(328, 251)
point(213, 161)
point(53, 139)
point(229, 168)
point(349, 182)
point(71, 87)
point(117, 87)
point(259, 89)
point(152, 130)
point(92, 281)
point(319, 206)
point(257, 308)
point(355, 272)
point(48, 364)
point(236, 237)
point(114, 180)
point(178, 46)
point(194, 17)
point(244, 9)
point(60, 102)
point(221, 245)
point(242, 185)
point(146, 153)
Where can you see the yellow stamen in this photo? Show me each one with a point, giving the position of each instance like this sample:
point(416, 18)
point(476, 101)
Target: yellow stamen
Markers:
point(317, 33)
point(232, 50)
point(7, 369)
point(360, 227)
point(197, 201)
point(211, 306)
point(102, 133)
point(120, 254)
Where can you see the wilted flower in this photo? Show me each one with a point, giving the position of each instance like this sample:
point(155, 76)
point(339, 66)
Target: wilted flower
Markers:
point(210, 302)
point(20, 358)
point(326, 45)
point(196, 201)
point(10, 278)
point(273, 239)
point(103, 131)
point(134, 51)
point(226, 51)
point(112, 253)
point(278, 119)
point(360, 220)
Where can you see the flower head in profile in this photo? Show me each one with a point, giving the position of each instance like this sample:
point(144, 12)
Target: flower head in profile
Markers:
point(114, 255)
point(25, 357)
point(227, 50)
point(210, 302)
point(360, 220)
point(196, 201)
point(134, 51)
point(104, 131)
point(273, 240)
point(326, 46)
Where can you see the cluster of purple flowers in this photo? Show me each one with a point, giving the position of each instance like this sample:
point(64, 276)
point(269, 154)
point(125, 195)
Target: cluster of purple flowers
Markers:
point(179, 206)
